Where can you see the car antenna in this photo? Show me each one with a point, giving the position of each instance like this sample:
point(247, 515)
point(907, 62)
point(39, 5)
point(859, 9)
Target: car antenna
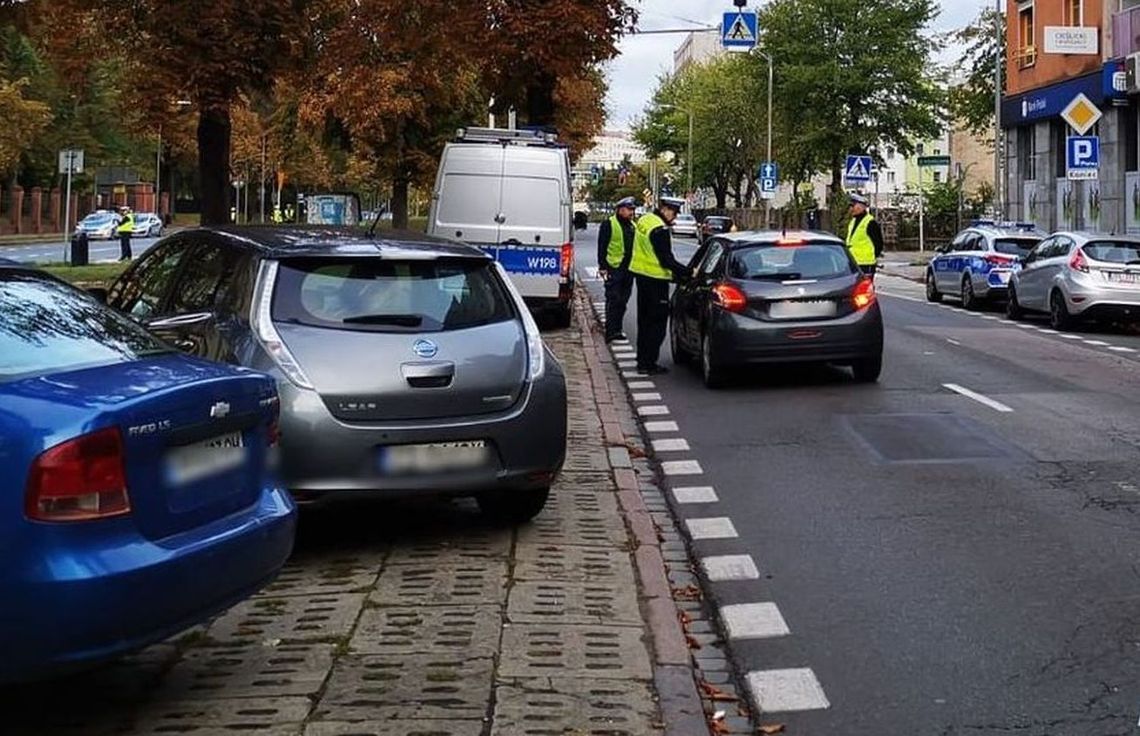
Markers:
point(375, 222)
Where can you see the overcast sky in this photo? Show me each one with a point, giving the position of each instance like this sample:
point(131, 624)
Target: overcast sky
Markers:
point(633, 75)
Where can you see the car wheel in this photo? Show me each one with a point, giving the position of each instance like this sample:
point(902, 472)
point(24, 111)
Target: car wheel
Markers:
point(680, 355)
point(932, 293)
point(868, 369)
point(1059, 317)
point(712, 373)
point(969, 300)
point(1013, 308)
point(563, 316)
point(512, 507)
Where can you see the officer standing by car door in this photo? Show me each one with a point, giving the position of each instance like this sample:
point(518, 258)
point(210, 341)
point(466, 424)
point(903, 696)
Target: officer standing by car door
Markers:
point(125, 229)
point(864, 236)
point(654, 267)
point(615, 250)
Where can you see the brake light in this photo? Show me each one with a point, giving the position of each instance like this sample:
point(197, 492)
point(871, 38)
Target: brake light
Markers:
point(729, 298)
point(1078, 262)
point(80, 480)
point(567, 259)
point(792, 242)
point(998, 260)
point(864, 295)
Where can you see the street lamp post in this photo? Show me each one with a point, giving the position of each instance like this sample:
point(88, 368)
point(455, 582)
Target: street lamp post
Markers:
point(768, 159)
point(999, 203)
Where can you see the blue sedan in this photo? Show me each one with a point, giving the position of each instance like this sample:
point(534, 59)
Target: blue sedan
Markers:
point(977, 264)
point(138, 499)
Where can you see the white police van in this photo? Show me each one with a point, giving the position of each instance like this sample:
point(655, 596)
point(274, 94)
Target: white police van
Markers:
point(509, 192)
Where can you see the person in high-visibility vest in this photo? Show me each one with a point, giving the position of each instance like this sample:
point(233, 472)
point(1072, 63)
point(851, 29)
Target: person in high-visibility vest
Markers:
point(615, 249)
point(864, 236)
point(125, 229)
point(654, 267)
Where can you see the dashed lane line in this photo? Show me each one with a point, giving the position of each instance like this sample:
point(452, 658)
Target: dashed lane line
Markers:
point(753, 621)
point(647, 396)
point(779, 691)
point(718, 527)
point(671, 445)
point(695, 494)
point(682, 467)
point(653, 410)
point(980, 398)
point(661, 427)
point(724, 568)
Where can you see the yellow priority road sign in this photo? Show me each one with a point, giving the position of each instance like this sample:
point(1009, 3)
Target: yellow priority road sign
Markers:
point(1081, 114)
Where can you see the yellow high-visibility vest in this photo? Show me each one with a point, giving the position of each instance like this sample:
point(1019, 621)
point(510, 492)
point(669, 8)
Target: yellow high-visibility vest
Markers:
point(859, 242)
point(644, 261)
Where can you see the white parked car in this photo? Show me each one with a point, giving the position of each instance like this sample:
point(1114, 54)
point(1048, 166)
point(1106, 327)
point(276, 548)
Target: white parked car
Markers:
point(685, 225)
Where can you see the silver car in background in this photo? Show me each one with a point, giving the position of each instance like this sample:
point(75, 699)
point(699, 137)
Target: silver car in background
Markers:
point(1075, 276)
point(99, 225)
point(685, 225)
point(147, 225)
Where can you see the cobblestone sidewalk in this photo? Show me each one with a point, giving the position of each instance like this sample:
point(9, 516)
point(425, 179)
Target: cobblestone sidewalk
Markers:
point(419, 619)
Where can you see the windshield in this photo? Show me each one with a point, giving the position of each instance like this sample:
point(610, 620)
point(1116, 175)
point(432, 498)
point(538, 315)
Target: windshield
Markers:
point(810, 261)
point(686, 218)
point(48, 327)
point(98, 218)
point(380, 295)
point(1114, 251)
point(1015, 246)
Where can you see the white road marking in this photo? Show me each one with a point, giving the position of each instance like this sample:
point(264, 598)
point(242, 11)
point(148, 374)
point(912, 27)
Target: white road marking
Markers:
point(1048, 331)
point(730, 567)
point(681, 467)
point(653, 411)
point(1071, 337)
point(1024, 326)
point(904, 298)
point(952, 341)
point(630, 374)
point(1120, 349)
point(695, 494)
point(985, 400)
point(658, 427)
point(777, 691)
point(627, 364)
point(1098, 343)
point(753, 621)
point(648, 396)
point(719, 527)
point(990, 317)
point(621, 342)
point(671, 445)
point(591, 273)
point(641, 385)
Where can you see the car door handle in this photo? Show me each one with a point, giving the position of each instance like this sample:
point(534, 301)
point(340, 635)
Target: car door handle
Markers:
point(428, 375)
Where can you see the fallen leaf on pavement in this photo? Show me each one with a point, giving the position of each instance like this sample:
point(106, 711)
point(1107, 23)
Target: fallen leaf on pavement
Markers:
point(714, 693)
point(693, 643)
point(688, 593)
point(772, 728)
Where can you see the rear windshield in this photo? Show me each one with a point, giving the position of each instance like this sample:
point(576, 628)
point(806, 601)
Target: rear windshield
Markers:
point(1015, 246)
point(686, 218)
point(377, 295)
point(718, 221)
point(1114, 251)
point(48, 327)
point(791, 263)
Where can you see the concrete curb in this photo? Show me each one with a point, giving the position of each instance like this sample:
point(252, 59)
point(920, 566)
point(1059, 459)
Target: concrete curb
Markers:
point(674, 675)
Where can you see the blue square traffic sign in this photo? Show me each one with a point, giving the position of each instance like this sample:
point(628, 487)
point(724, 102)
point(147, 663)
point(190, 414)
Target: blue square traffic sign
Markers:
point(768, 175)
point(739, 30)
point(858, 169)
point(1082, 157)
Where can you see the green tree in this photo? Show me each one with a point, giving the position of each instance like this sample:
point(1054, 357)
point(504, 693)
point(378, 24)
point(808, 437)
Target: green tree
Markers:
point(983, 43)
point(23, 121)
point(851, 75)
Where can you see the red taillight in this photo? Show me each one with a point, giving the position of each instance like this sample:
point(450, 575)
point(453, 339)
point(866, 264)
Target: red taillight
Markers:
point(791, 242)
point(998, 260)
point(864, 295)
point(729, 298)
point(79, 480)
point(567, 259)
point(1078, 261)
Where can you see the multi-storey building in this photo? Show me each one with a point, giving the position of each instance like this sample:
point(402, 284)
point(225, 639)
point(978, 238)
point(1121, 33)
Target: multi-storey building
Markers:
point(697, 48)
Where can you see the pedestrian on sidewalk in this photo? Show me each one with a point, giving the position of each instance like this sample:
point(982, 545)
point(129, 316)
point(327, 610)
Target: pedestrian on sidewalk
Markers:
point(125, 229)
point(615, 250)
point(864, 236)
point(654, 267)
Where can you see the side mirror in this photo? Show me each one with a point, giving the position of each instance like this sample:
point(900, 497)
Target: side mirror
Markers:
point(99, 292)
point(581, 220)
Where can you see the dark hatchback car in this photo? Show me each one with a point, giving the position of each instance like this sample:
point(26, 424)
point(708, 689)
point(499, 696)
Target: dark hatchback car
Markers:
point(406, 364)
point(715, 225)
point(770, 297)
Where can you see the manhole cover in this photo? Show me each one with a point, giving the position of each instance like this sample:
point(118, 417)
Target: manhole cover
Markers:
point(927, 438)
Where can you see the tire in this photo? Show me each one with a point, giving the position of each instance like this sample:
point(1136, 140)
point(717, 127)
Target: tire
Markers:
point(868, 370)
point(932, 293)
point(1013, 308)
point(1059, 317)
point(711, 373)
point(562, 316)
point(512, 508)
point(969, 299)
point(680, 355)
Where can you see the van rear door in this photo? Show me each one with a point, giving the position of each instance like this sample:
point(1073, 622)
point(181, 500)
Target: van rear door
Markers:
point(470, 194)
point(535, 213)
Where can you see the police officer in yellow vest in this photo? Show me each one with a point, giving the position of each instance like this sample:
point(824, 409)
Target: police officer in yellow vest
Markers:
point(654, 267)
point(125, 229)
point(615, 249)
point(864, 236)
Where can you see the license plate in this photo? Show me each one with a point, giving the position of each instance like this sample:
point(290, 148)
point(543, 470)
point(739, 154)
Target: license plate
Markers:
point(801, 310)
point(438, 457)
point(204, 459)
point(1123, 278)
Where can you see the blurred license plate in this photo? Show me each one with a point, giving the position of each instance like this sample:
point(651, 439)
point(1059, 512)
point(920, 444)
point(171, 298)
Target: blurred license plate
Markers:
point(801, 310)
point(203, 459)
point(439, 457)
point(1124, 278)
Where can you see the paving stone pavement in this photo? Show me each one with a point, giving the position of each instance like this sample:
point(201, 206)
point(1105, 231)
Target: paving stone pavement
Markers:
point(408, 618)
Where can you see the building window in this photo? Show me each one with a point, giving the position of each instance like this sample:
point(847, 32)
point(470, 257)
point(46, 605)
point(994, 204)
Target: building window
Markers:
point(1027, 152)
point(890, 177)
point(891, 149)
point(937, 177)
point(1026, 49)
point(1073, 14)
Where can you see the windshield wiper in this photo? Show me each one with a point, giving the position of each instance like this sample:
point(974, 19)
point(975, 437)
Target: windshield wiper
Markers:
point(396, 320)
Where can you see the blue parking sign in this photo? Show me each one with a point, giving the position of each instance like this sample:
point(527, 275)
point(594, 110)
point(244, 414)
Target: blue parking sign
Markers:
point(1082, 157)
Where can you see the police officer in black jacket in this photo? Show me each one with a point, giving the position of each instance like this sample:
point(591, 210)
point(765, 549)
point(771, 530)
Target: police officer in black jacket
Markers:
point(615, 248)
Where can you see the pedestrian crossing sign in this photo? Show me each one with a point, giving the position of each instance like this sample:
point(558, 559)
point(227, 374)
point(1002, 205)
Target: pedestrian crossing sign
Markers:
point(858, 169)
point(738, 30)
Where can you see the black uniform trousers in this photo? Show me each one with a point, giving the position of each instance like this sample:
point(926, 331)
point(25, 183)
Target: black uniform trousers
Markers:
point(619, 287)
point(125, 245)
point(652, 319)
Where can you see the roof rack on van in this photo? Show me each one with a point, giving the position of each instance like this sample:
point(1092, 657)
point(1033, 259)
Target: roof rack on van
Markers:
point(503, 135)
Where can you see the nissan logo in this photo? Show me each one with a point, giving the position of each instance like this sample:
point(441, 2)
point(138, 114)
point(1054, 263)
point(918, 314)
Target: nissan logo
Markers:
point(425, 349)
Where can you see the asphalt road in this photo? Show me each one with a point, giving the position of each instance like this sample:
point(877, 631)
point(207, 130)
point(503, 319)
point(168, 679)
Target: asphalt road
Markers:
point(943, 564)
point(100, 251)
